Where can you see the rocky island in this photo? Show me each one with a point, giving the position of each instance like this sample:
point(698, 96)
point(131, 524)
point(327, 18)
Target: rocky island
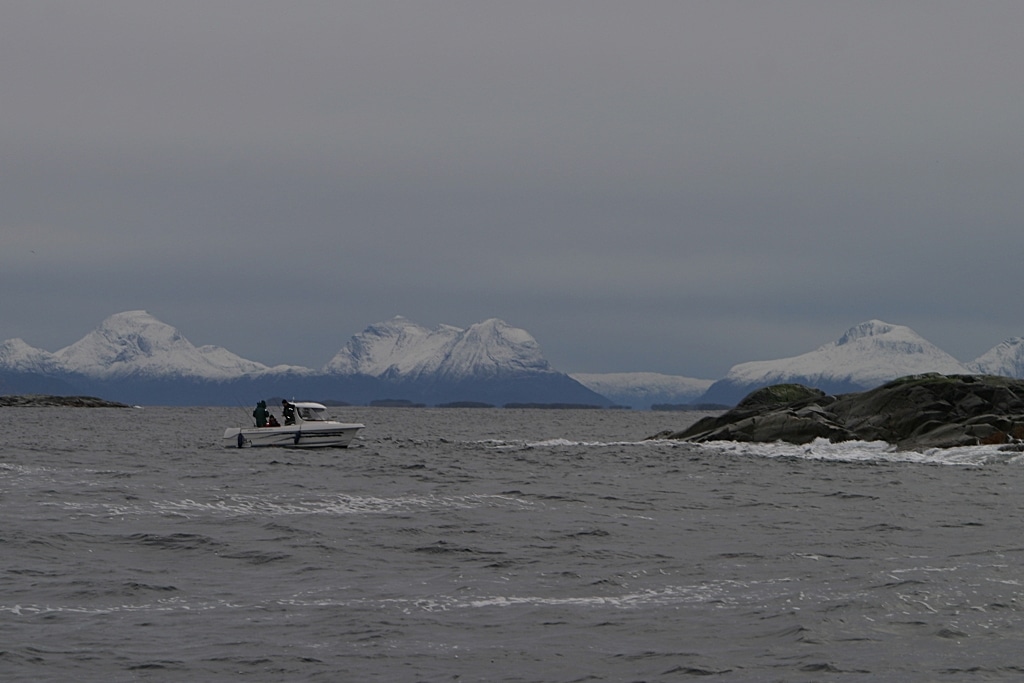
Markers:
point(916, 412)
point(48, 401)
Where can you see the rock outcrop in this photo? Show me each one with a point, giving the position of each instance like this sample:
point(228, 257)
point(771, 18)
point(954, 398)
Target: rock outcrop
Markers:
point(916, 412)
point(48, 401)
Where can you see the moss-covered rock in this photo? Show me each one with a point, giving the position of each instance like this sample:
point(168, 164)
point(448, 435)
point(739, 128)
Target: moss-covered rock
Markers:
point(777, 395)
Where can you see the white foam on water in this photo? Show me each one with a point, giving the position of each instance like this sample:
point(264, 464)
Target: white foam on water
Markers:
point(336, 505)
point(17, 470)
point(712, 592)
point(866, 451)
point(555, 443)
point(167, 605)
point(568, 443)
point(244, 505)
point(723, 593)
point(819, 449)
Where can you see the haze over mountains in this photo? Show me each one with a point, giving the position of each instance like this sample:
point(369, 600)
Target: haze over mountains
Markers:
point(643, 389)
point(135, 358)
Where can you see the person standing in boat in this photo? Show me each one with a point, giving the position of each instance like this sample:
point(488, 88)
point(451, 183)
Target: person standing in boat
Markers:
point(260, 414)
point(288, 411)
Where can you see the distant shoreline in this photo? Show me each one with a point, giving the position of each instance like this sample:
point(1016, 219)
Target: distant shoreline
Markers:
point(49, 401)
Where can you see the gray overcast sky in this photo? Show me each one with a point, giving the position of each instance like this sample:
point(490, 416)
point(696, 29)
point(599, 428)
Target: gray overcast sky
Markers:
point(644, 186)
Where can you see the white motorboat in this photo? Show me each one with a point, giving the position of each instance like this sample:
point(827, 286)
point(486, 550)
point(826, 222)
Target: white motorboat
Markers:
point(313, 428)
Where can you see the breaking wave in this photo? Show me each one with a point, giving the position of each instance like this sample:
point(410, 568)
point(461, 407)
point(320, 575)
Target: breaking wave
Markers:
point(245, 505)
point(819, 449)
point(868, 451)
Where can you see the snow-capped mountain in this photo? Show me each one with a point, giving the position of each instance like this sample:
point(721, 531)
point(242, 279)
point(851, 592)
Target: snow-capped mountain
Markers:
point(1006, 359)
point(27, 370)
point(396, 348)
point(135, 344)
point(17, 356)
point(401, 349)
point(489, 362)
point(135, 358)
point(867, 355)
point(491, 349)
point(641, 390)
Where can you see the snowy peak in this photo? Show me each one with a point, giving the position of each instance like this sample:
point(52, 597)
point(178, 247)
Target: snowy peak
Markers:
point(1006, 359)
point(493, 348)
point(876, 338)
point(17, 356)
point(871, 328)
point(134, 343)
point(394, 347)
point(401, 349)
point(868, 354)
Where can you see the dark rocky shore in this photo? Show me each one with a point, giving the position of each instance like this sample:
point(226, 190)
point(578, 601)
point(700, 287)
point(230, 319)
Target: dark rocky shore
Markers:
point(48, 401)
point(913, 413)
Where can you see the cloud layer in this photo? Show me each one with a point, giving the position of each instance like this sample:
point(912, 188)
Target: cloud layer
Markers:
point(670, 186)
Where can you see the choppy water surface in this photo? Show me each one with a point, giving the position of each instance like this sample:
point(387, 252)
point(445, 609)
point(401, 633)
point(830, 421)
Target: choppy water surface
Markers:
point(497, 545)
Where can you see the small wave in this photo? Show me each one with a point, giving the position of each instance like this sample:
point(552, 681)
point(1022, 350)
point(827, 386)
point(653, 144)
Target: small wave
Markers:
point(174, 541)
point(16, 469)
point(719, 593)
point(239, 506)
point(723, 593)
point(339, 505)
point(174, 604)
point(664, 597)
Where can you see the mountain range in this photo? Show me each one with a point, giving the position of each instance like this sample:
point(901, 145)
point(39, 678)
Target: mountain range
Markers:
point(135, 358)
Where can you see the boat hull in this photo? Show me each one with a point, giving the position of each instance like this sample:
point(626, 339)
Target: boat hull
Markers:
point(326, 435)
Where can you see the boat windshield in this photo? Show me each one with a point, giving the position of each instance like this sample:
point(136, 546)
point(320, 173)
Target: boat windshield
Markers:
point(310, 414)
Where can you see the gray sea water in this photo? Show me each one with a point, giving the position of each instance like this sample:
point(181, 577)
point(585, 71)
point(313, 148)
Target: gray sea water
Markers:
point(497, 545)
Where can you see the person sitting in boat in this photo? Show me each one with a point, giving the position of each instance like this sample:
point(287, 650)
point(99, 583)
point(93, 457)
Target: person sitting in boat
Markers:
point(272, 421)
point(260, 414)
point(288, 411)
